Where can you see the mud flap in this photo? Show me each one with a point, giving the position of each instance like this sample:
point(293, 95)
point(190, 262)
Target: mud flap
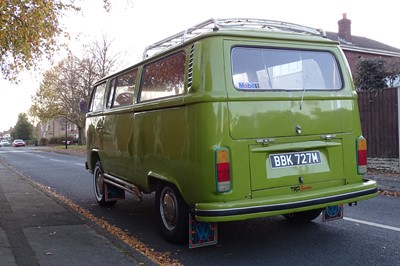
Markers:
point(202, 234)
point(113, 193)
point(332, 213)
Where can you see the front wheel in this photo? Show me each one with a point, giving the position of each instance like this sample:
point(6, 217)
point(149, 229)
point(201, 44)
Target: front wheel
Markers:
point(172, 214)
point(303, 217)
point(99, 186)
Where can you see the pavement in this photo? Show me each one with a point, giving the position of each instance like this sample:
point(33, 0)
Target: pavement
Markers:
point(36, 229)
point(388, 182)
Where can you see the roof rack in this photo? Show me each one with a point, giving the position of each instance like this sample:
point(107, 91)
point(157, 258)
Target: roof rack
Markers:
point(220, 24)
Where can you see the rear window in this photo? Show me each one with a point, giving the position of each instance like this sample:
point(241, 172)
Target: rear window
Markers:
point(256, 68)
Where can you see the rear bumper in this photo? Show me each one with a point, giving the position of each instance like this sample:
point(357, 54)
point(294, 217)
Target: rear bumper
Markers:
point(295, 202)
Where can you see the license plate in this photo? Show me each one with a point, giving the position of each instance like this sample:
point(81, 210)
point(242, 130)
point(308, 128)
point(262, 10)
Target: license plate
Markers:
point(294, 159)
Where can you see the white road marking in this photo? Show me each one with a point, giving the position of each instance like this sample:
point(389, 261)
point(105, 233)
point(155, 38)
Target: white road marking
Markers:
point(61, 161)
point(31, 152)
point(397, 229)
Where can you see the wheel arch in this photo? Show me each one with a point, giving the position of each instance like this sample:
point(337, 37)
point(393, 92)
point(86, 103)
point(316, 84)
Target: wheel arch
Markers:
point(154, 180)
point(94, 157)
point(172, 212)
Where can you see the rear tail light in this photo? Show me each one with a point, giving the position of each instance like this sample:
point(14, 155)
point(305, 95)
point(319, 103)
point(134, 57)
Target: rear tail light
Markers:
point(222, 170)
point(361, 155)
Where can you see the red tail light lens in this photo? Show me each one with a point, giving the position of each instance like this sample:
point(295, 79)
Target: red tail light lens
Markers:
point(222, 170)
point(361, 155)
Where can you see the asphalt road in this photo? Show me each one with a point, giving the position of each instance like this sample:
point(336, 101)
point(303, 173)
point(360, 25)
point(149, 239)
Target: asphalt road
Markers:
point(369, 234)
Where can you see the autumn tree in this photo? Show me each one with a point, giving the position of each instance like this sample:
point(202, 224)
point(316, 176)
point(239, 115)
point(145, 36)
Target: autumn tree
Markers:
point(23, 128)
point(28, 31)
point(66, 85)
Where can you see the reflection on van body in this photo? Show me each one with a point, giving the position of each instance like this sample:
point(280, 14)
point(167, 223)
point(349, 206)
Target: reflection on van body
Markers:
point(228, 125)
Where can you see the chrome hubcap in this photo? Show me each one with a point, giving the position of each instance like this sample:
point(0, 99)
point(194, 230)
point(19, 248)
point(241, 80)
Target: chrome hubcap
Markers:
point(99, 184)
point(168, 208)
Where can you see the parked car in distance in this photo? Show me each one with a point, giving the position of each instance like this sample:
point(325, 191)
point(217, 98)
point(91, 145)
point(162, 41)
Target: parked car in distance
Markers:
point(68, 142)
point(18, 143)
point(4, 143)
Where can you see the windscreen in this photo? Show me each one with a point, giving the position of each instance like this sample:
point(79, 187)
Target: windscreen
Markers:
point(256, 68)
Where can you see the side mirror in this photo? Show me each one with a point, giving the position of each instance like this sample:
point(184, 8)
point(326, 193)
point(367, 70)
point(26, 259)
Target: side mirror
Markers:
point(83, 107)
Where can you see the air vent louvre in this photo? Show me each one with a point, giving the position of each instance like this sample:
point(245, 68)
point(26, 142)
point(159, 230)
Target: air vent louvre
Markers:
point(190, 68)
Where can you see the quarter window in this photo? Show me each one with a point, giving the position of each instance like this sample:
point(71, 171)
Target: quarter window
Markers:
point(164, 78)
point(280, 69)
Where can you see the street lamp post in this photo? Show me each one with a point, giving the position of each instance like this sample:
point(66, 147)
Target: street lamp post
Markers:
point(66, 132)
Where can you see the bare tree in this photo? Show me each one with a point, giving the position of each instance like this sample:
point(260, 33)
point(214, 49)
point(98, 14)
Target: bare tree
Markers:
point(100, 55)
point(70, 82)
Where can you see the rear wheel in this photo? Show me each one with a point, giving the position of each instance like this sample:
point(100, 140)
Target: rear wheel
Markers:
point(303, 217)
point(172, 214)
point(99, 186)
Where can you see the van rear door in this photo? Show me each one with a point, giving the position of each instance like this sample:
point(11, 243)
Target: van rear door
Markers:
point(294, 106)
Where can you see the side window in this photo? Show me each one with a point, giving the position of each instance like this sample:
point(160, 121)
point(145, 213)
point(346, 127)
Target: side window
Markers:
point(125, 88)
point(164, 78)
point(97, 99)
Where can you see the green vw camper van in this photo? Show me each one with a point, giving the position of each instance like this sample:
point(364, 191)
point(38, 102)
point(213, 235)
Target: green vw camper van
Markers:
point(231, 119)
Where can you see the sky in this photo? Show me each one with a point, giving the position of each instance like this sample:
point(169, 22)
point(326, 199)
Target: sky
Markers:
point(134, 24)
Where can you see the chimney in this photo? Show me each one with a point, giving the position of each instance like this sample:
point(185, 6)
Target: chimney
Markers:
point(345, 28)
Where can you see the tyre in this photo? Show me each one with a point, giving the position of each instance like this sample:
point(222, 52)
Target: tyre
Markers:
point(303, 217)
point(99, 186)
point(172, 214)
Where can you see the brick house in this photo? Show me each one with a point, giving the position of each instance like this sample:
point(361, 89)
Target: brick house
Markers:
point(55, 128)
point(356, 47)
point(378, 110)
